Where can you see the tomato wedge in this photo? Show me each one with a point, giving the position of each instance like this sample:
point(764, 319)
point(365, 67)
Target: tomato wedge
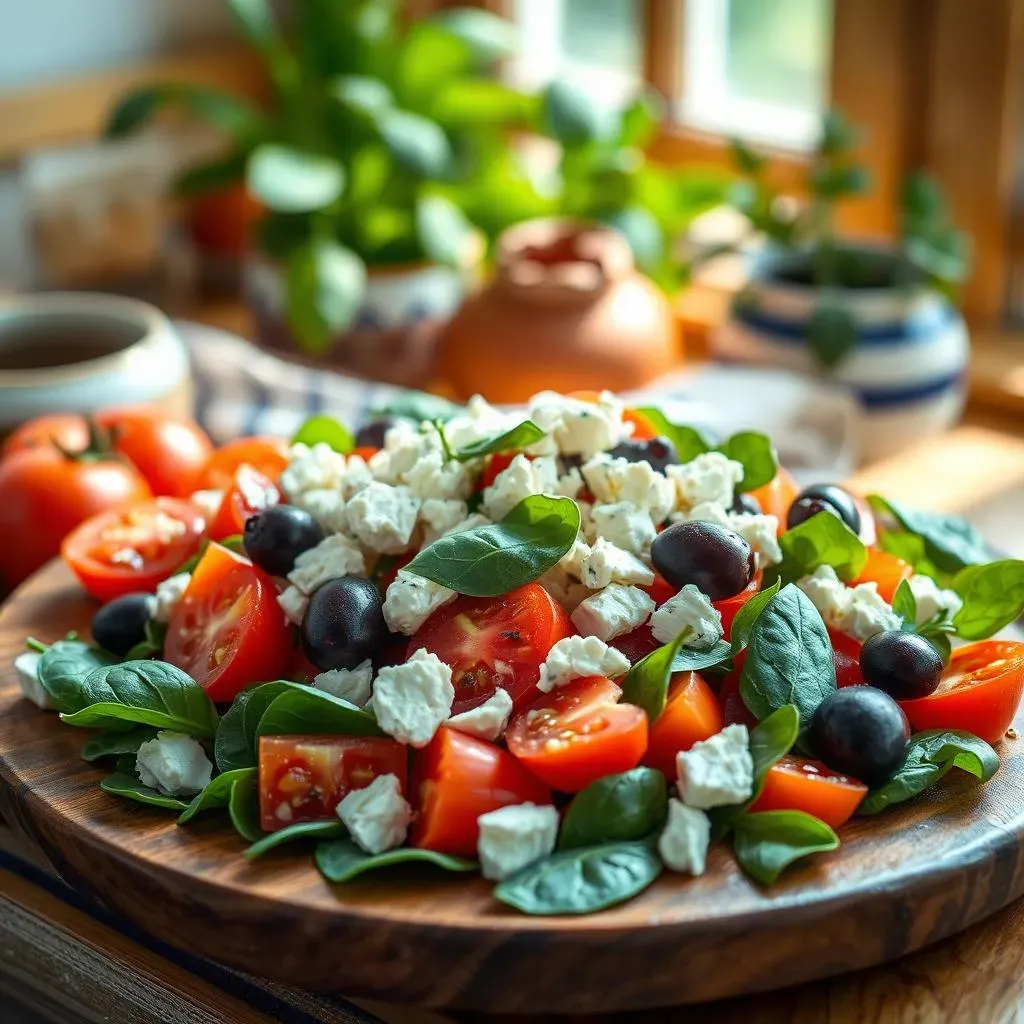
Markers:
point(248, 493)
point(777, 495)
point(578, 734)
point(980, 691)
point(494, 642)
point(269, 455)
point(456, 778)
point(887, 571)
point(692, 713)
point(133, 548)
point(730, 607)
point(795, 784)
point(228, 630)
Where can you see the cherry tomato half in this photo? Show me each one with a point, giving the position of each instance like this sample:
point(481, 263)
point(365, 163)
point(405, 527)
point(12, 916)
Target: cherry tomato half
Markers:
point(134, 547)
point(456, 778)
point(692, 713)
point(887, 571)
point(980, 691)
point(730, 607)
point(846, 656)
point(269, 455)
point(794, 784)
point(578, 734)
point(228, 631)
point(248, 493)
point(494, 642)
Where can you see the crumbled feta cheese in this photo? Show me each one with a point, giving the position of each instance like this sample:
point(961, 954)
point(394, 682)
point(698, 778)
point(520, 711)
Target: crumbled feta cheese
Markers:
point(513, 837)
point(411, 600)
point(689, 609)
point(27, 667)
point(932, 600)
point(613, 611)
point(438, 516)
point(576, 557)
point(570, 484)
point(352, 684)
point(576, 657)
point(625, 525)
point(718, 771)
point(208, 502)
point(383, 517)
point(377, 817)
point(521, 478)
point(333, 557)
point(293, 603)
point(480, 422)
point(578, 427)
point(327, 507)
point(411, 700)
point(404, 445)
point(858, 611)
point(488, 721)
point(471, 522)
point(709, 477)
point(612, 480)
point(433, 477)
point(168, 594)
point(759, 531)
point(357, 476)
point(683, 843)
point(174, 764)
point(312, 469)
point(608, 564)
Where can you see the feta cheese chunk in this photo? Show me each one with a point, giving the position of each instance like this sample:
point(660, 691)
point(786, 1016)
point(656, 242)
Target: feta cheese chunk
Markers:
point(480, 422)
point(717, 772)
point(690, 608)
point(312, 469)
point(333, 557)
point(411, 600)
point(27, 667)
point(858, 611)
point(709, 477)
point(578, 427)
point(434, 477)
point(174, 764)
point(576, 657)
point(383, 517)
point(377, 817)
point(575, 558)
point(327, 507)
point(625, 525)
point(612, 480)
point(608, 564)
point(293, 603)
point(488, 721)
point(168, 594)
point(932, 600)
point(352, 684)
point(521, 478)
point(438, 516)
point(513, 837)
point(613, 611)
point(411, 700)
point(683, 843)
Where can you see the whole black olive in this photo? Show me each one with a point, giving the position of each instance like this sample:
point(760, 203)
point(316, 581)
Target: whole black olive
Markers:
point(120, 625)
point(717, 560)
point(371, 433)
point(344, 623)
point(906, 666)
point(275, 537)
point(824, 498)
point(660, 452)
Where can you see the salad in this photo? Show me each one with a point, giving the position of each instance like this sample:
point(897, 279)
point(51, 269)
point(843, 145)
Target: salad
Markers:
point(568, 647)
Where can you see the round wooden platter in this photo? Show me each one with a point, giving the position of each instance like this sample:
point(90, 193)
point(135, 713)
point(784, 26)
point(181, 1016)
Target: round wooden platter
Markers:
point(902, 880)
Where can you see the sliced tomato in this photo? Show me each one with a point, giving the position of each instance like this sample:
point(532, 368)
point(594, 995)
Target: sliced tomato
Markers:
point(268, 455)
point(692, 713)
point(248, 493)
point(980, 691)
point(846, 656)
point(304, 778)
point(730, 607)
point(578, 734)
point(456, 778)
point(777, 495)
point(734, 708)
point(133, 548)
point(660, 590)
point(494, 642)
point(795, 784)
point(887, 571)
point(228, 631)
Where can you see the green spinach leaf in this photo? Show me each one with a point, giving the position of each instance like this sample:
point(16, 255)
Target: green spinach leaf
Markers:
point(122, 783)
point(646, 684)
point(747, 615)
point(950, 542)
point(687, 441)
point(63, 669)
point(322, 429)
point(244, 807)
point(631, 805)
point(110, 744)
point(755, 452)
point(824, 539)
point(260, 698)
point(339, 860)
point(301, 711)
point(514, 440)
point(767, 842)
point(904, 604)
point(293, 833)
point(992, 595)
point(231, 747)
point(688, 660)
point(217, 793)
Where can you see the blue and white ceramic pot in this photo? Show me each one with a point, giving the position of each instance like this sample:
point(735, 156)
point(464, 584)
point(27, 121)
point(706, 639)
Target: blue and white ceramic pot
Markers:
point(907, 370)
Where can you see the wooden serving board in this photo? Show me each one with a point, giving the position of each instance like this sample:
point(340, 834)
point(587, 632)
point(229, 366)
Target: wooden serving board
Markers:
point(901, 880)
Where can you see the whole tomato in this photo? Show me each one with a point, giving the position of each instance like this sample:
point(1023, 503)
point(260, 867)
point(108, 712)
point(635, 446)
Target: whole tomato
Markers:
point(46, 494)
point(71, 432)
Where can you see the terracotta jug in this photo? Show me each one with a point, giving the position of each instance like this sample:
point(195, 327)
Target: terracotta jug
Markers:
point(566, 310)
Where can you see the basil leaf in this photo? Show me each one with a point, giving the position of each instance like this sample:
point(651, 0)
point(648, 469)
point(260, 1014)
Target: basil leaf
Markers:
point(492, 560)
point(260, 698)
point(950, 542)
point(341, 860)
point(631, 805)
point(992, 595)
point(514, 440)
point(291, 833)
point(322, 429)
point(939, 639)
point(687, 441)
point(63, 669)
point(300, 710)
point(824, 539)
point(747, 615)
point(122, 783)
point(582, 881)
point(789, 658)
point(755, 452)
point(109, 744)
point(689, 660)
point(419, 407)
point(244, 807)
point(231, 748)
point(147, 693)
point(766, 843)
point(930, 755)
point(217, 793)
point(904, 604)
point(646, 683)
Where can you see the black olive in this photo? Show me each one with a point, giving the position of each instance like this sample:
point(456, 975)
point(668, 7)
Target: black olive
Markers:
point(344, 623)
point(906, 666)
point(746, 503)
point(860, 731)
point(717, 560)
point(660, 452)
point(120, 625)
point(824, 498)
point(275, 537)
point(371, 433)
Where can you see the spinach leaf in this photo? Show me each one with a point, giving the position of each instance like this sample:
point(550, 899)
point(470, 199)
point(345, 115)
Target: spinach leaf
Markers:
point(419, 407)
point(930, 755)
point(122, 783)
point(631, 805)
point(687, 441)
point(147, 693)
point(152, 646)
point(939, 639)
point(327, 430)
point(904, 604)
point(789, 658)
point(747, 615)
point(253, 708)
point(495, 559)
point(689, 660)
point(244, 807)
point(300, 711)
point(950, 542)
point(292, 833)
point(582, 881)
point(646, 683)
point(217, 793)
point(339, 860)
point(109, 744)
point(755, 452)
point(514, 440)
point(231, 749)
point(767, 842)
point(63, 669)
point(992, 595)
point(824, 539)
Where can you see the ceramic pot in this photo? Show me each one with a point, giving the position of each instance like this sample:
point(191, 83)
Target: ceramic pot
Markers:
point(80, 352)
point(907, 370)
point(566, 310)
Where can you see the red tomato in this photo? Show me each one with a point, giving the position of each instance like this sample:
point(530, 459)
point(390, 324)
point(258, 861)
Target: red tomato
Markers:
point(794, 784)
point(734, 708)
point(455, 779)
point(303, 778)
point(365, 453)
point(269, 455)
point(493, 642)
point(691, 714)
point(643, 428)
point(776, 496)
point(495, 464)
point(248, 493)
point(134, 547)
point(660, 590)
point(636, 644)
point(578, 734)
point(887, 571)
point(731, 606)
point(980, 691)
point(69, 431)
point(228, 630)
point(846, 656)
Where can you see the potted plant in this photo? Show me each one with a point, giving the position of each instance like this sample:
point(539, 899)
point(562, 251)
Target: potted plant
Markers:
point(879, 319)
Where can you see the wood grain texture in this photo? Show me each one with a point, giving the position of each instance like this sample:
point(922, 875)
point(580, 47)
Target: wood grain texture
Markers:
point(900, 882)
